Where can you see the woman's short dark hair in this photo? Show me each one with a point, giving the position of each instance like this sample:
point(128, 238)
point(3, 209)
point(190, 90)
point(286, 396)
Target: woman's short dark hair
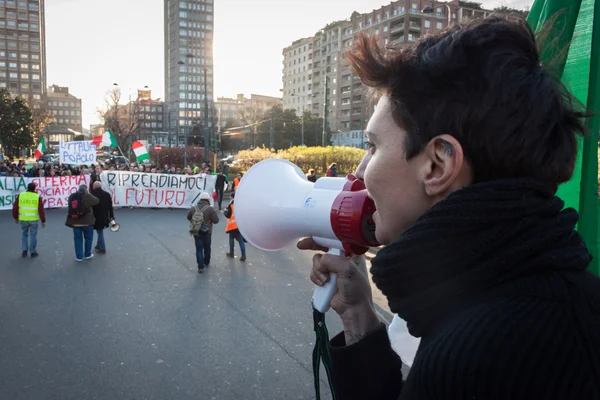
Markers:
point(483, 83)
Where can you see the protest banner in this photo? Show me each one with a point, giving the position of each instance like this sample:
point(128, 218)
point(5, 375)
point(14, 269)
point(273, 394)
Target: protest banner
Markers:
point(55, 190)
point(77, 153)
point(139, 189)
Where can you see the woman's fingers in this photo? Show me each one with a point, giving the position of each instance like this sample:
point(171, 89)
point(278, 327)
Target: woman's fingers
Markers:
point(309, 244)
point(318, 275)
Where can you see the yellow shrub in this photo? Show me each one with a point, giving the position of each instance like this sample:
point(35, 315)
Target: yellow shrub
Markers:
point(319, 158)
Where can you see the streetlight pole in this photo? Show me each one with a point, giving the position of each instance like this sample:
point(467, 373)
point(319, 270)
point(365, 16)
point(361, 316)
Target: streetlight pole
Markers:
point(325, 112)
point(430, 10)
point(302, 127)
point(271, 134)
point(206, 136)
point(187, 106)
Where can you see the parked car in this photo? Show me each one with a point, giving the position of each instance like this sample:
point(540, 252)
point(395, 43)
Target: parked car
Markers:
point(49, 158)
point(227, 160)
point(114, 160)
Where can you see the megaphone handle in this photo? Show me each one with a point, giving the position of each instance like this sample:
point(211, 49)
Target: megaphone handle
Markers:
point(323, 294)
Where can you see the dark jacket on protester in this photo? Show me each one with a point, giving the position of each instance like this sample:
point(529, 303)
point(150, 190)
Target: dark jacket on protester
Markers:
point(89, 201)
point(103, 211)
point(210, 215)
point(493, 280)
point(220, 182)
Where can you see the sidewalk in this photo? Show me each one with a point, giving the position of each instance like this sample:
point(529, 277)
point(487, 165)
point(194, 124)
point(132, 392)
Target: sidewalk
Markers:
point(372, 252)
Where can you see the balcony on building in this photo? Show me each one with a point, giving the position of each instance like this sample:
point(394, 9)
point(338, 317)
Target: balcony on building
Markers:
point(397, 38)
point(414, 25)
point(397, 26)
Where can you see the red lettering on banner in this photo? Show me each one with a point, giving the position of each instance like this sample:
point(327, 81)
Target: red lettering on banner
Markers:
point(162, 197)
point(169, 197)
point(149, 192)
point(139, 199)
point(127, 192)
point(114, 198)
point(180, 199)
point(63, 180)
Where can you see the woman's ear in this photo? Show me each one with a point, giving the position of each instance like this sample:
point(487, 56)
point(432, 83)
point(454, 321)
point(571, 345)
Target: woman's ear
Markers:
point(443, 169)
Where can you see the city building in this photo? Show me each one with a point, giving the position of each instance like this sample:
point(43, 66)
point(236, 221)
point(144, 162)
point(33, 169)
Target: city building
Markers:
point(150, 116)
point(97, 130)
point(188, 56)
point(349, 139)
point(241, 110)
point(312, 64)
point(66, 111)
point(139, 119)
point(23, 49)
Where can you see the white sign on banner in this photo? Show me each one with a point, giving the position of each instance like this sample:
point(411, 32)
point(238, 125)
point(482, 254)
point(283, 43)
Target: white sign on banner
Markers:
point(55, 190)
point(77, 153)
point(139, 189)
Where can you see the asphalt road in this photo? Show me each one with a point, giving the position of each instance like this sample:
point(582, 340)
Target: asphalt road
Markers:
point(141, 323)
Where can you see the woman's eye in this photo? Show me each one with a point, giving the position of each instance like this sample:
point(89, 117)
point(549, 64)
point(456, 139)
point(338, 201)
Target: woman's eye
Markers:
point(371, 147)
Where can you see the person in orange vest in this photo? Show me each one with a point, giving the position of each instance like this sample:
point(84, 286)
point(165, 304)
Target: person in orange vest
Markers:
point(236, 181)
point(233, 231)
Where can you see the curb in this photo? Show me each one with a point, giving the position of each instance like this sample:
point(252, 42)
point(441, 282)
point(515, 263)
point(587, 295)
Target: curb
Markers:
point(369, 255)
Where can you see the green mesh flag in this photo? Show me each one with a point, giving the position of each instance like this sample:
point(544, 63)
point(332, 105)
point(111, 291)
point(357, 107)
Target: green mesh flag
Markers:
point(572, 47)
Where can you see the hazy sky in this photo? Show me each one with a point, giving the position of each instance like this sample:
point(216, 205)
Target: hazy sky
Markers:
point(92, 44)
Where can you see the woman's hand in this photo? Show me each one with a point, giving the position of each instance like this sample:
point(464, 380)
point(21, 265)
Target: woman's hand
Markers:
point(353, 300)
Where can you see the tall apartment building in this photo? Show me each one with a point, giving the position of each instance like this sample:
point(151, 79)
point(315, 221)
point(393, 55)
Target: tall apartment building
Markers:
point(310, 62)
point(23, 48)
point(241, 108)
point(149, 114)
point(66, 110)
point(188, 54)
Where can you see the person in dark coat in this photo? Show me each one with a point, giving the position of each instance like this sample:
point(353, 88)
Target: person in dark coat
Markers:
point(220, 187)
point(104, 213)
point(83, 227)
point(202, 241)
point(470, 139)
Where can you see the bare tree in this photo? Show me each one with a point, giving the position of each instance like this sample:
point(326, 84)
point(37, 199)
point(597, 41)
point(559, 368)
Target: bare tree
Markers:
point(41, 118)
point(122, 120)
point(251, 116)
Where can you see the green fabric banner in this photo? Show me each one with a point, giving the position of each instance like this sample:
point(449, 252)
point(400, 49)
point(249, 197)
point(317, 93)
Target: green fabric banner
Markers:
point(572, 50)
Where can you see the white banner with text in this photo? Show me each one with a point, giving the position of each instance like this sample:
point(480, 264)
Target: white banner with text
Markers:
point(55, 190)
point(137, 189)
point(77, 153)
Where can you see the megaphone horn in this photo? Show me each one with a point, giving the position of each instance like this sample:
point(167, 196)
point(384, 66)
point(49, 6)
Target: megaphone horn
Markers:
point(114, 226)
point(275, 205)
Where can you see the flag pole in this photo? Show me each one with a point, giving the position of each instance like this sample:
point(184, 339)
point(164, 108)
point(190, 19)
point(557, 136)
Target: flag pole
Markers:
point(588, 203)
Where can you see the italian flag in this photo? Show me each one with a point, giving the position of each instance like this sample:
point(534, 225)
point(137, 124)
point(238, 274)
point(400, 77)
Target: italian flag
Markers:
point(107, 139)
point(140, 151)
point(576, 32)
point(41, 149)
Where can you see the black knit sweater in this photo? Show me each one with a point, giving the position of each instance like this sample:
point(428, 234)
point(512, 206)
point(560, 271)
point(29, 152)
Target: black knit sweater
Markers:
point(493, 280)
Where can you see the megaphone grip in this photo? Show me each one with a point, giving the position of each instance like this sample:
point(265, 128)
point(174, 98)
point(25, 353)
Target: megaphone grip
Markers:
point(323, 294)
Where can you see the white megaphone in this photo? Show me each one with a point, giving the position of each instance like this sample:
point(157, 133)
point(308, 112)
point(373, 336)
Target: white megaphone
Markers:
point(275, 205)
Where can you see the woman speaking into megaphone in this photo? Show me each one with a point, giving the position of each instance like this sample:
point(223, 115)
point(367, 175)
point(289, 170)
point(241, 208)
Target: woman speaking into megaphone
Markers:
point(469, 141)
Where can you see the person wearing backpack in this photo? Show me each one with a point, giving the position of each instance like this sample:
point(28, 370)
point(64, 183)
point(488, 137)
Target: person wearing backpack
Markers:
point(80, 217)
point(202, 216)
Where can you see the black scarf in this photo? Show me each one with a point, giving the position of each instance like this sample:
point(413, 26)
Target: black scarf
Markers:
point(477, 238)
